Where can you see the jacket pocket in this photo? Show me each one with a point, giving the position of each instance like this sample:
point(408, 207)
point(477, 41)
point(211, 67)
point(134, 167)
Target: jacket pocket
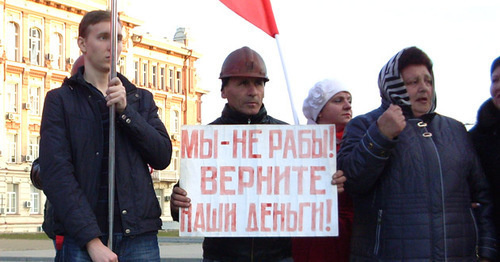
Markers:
point(377, 232)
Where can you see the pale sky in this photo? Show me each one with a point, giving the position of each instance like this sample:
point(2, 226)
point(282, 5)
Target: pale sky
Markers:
point(346, 40)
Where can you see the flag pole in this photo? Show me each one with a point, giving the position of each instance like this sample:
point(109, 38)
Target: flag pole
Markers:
point(111, 163)
point(295, 117)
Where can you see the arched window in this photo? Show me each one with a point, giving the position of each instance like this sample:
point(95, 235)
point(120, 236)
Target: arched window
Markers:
point(174, 122)
point(13, 42)
point(35, 46)
point(56, 51)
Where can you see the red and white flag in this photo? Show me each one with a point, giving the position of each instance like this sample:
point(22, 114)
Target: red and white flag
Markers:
point(257, 12)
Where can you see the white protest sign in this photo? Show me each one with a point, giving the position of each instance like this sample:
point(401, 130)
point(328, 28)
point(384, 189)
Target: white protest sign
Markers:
point(259, 180)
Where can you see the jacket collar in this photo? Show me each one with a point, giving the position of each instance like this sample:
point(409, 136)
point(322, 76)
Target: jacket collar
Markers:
point(238, 118)
point(488, 115)
point(77, 80)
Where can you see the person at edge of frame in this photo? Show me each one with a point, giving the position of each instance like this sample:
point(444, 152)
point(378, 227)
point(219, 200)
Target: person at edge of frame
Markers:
point(486, 138)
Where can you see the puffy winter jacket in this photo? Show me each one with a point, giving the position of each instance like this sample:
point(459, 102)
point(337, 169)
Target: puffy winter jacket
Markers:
point(486, 138)
point(412, 195)
point(246, 248)
point(71, 150)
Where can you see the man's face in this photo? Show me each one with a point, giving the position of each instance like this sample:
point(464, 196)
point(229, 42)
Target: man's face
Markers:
point(418, 82)
point(244, 94)
point(96, 47)
point(495, 87)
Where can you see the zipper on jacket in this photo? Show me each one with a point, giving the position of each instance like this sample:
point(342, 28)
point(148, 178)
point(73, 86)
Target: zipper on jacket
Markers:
point(477, 231)
point(442, 201)
point(377, 232)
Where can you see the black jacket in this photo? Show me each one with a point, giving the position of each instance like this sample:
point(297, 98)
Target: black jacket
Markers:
point(486, 137)
point(71, 150)
point(246, 248)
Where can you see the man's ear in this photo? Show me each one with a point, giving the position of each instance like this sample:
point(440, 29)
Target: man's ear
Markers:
point(81, 44)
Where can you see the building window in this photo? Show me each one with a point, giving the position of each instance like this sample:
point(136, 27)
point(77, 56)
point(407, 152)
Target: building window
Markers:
point(11, 148)
point(162, 78)
point(11, 92)
point(179, 83)
point(174, 120)
point(75, 49)
point(33, 147)
point(136, 72)
point(121, 65)
point(153, 75)
point(175, 160)
point(35, 46)
point(56, 51)
point(171, 79)
point(11, 205)
point(198, 110)
point(34, 97)
point(160, 113)
point(35, 200)
point(145, 74)
point(13, 42)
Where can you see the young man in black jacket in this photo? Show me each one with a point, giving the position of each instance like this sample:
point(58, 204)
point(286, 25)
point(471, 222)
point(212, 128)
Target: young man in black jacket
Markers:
point(74, 156)
point(243, 78)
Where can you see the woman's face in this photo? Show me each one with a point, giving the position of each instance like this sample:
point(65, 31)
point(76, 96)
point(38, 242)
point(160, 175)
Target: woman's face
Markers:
point(337, 110)
point(495, 87)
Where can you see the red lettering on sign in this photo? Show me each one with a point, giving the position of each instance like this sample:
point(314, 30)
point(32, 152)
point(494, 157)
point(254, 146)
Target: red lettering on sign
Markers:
point(208, 183)
point(314, 179)
point(261, 179)
point(189, 146)
point(252, 225)
point(272, 141)
point(242, 183)
point(264, 212)
point(282, 176)
point(198, 146)
point(225, 179)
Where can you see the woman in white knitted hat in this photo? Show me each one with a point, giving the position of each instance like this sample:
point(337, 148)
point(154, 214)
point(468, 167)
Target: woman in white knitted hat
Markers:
point(328, 102)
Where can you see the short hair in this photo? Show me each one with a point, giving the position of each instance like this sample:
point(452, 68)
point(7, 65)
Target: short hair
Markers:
point(414, 56)
point(92, 18)
point(495, 64)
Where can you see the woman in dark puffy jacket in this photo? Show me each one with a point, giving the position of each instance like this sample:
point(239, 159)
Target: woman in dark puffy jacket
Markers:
point(486, 137)
point(413, 176)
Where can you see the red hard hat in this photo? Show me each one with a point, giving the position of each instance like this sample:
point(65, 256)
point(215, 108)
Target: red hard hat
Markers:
point(244, 62)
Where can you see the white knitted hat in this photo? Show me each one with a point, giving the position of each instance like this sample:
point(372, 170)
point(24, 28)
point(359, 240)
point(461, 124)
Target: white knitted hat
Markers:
point(319, 94)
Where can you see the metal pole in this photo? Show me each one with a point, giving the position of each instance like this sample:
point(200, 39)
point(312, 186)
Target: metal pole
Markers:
point(295, 117)
point(111, 163)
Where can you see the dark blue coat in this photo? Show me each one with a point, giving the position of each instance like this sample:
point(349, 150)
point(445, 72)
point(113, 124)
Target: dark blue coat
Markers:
point(71, 150)
point(412, 195)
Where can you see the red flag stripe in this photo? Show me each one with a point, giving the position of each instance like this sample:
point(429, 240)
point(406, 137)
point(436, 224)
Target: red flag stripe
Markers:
point(257, 12)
